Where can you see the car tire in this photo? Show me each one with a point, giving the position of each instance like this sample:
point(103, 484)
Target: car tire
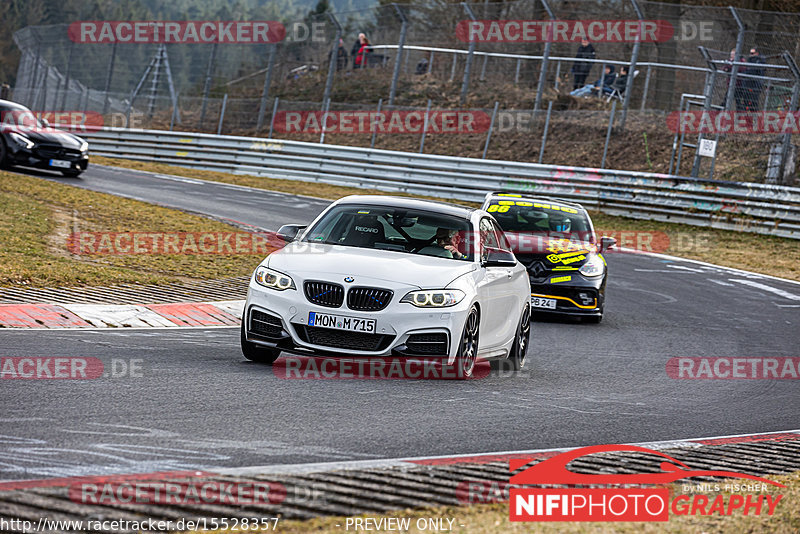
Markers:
point(71, 173)
point(468, 345)
point(521, 338)
point(3, 154)
point(257, 354)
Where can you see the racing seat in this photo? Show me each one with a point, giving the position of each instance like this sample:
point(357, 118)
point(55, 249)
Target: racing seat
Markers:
point(365, 231)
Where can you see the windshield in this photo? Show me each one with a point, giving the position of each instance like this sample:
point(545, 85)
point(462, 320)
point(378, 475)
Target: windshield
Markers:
point(554, 220)
point(15, 115)
point(396, 229)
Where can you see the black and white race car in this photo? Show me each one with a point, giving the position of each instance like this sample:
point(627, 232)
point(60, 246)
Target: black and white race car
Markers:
point(556, 241)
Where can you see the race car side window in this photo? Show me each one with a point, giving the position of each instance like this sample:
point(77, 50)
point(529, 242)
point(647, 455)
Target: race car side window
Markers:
point(487, 236)
point(502, 241)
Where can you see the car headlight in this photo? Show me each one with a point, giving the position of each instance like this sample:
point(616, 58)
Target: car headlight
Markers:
point(434, 298)
point(594, 267)
point(21, 140)
point(274, 279)
point(84, 147)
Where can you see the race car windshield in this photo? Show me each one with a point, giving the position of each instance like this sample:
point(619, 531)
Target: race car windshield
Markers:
point(540, 218)
point(15, 115)
point(399, 230)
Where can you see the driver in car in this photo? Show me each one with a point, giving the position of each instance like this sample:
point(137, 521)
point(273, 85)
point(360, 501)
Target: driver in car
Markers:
point(446, 245)
point(560, 224)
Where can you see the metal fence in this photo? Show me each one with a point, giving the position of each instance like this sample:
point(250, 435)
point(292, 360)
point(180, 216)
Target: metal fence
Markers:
point(773, 210)
point(190, 85)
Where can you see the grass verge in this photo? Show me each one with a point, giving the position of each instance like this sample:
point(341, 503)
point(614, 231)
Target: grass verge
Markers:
point(493, 519)
point(37, 217)
point(764, 254)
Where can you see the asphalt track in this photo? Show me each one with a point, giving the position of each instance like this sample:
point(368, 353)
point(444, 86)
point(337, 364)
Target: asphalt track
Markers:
point(195, 403)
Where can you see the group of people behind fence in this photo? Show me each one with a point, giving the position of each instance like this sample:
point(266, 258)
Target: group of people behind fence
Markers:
point(609, 83)
point(747, 90)
point(359, 53)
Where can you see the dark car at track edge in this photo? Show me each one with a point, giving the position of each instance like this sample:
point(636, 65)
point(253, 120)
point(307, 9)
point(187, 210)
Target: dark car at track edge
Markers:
point(556, 241)
point(28, 141)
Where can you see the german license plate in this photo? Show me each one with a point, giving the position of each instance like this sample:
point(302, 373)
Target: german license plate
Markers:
point(60, 163)
point(539, 302)
point(340, 322)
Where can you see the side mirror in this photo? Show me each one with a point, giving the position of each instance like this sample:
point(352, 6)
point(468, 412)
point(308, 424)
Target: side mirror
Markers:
point(496, 257)
point(606, 243)
point(288, 232)
point(45, 123)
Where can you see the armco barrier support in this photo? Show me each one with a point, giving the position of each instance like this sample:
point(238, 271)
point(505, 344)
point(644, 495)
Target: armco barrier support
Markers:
point(765, 209)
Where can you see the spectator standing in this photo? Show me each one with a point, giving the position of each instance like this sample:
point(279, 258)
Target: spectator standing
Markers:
point(356, 48)
point(753, 86)
point(606, 82)
point(362, 56)
point(341, 56)
point(580, 69)
point(737, 91)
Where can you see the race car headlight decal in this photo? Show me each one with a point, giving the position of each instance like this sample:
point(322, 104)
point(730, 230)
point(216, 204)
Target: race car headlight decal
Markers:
point(274, 279)
point(434, 298)
point(84, 146)
point(21, 140)
point(593, 267)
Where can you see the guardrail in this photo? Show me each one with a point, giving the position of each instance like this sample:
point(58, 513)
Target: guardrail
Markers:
point(750, 207)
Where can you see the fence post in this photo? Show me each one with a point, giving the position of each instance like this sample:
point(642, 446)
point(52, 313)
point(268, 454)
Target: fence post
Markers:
point(729, 98)
point(272, 119)
point(334, 57)
point(326, 107)
point(680, 147)
point(453, 70)
point(84, 99)
point(646, 88)
point(546, 128)
point(425, 127)
point(265, 91)
point(626, 100)
point(373, 126)
point(222, 113)
point(608, 133)
point(787, 137)
point(516, 74)
point(483, 68)
point(675, 140)
point(545, 57)
point(491, 127)
point(400, 44)
point(470, 53)
point(31, 99)
point(558, 73)
point(175, 105)
point(207, 88)
point(708, 93)
point(109, 74)
point(67, 80)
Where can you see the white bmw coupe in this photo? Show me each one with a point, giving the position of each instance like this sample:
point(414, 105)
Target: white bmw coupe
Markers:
point(381, 276)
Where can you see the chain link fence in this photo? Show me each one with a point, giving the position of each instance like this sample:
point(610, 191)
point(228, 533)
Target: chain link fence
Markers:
point(232, 88)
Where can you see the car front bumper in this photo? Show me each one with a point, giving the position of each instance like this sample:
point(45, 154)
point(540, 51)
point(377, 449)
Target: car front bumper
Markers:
point(583, 299)
point(41, 157)
point(279, 319)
